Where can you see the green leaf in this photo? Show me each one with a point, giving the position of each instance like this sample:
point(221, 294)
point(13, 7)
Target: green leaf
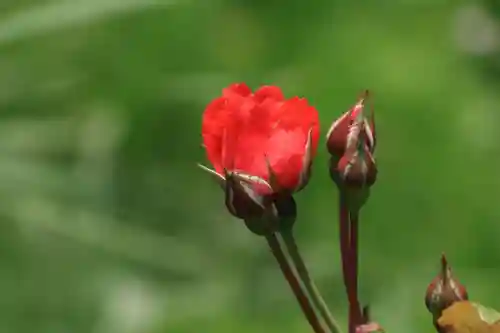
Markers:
point(488, 315)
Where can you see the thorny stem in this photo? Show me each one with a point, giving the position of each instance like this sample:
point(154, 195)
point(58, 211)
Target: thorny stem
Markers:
point(311, 288)
point(289, 275)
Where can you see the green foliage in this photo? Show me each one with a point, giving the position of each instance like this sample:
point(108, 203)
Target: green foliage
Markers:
point(489, 315)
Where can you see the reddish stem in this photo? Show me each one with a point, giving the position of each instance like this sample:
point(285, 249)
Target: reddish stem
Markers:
point(353, 260)
point(348, 269)
point(344, 241)
point(289, 275)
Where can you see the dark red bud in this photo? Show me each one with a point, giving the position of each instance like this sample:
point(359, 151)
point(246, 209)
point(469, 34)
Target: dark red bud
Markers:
point(443, 291)
point(337, 136)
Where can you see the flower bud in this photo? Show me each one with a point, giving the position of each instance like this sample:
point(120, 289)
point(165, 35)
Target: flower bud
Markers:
point(337, 136)
point(355, 172)
point(443, 291)
point(356, 168)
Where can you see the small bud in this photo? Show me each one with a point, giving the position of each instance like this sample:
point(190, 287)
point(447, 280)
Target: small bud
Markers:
point(356, 171)
point(443, 291)
point(337, 136)
point(356, 168)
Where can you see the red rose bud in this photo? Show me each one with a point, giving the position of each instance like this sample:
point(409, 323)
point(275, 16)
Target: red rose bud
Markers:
point(356, 168)
point(337, 135)
point(443, 291)
point(356, 171)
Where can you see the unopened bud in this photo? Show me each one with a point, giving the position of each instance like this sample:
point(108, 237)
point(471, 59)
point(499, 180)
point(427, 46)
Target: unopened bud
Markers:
point(444, 290)
point(338, 135)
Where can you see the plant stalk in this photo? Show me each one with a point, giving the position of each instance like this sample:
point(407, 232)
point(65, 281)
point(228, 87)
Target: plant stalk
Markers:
point(308, 282)
point(292, 280)
point(354, 258)
point(344, 240)
point(348, 233)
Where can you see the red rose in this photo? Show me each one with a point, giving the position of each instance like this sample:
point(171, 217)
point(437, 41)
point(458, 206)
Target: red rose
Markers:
point(261, 135)
point(338, 135)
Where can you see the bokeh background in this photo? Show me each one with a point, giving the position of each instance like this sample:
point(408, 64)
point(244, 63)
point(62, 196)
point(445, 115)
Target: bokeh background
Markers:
point(107, 226)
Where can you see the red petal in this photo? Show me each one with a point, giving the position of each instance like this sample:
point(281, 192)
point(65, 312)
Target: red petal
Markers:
point(237, 89)
point(266, 92)
point(220, 115)
point(241, 130)
point(280, 134)
point(215, 119)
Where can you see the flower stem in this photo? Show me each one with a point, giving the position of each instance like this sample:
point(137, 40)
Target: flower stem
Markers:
point(344, 241)
point(289, 275)
point(354, 258)
point(348, 250)
point(311, 288)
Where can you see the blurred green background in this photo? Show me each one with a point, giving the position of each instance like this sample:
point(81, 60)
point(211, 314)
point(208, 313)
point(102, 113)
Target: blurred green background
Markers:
point(107, 226)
